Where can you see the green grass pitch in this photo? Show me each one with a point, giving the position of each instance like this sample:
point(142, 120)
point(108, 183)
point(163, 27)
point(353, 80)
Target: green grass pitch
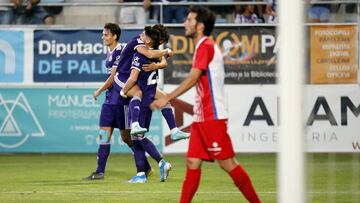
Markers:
point(58, 178)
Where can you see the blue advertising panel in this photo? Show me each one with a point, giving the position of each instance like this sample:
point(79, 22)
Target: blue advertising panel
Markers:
point(57, 120)
point(11, 56)
point(71, 55)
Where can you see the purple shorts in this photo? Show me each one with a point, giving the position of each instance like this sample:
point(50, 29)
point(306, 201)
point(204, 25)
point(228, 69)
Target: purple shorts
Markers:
point(114, 116)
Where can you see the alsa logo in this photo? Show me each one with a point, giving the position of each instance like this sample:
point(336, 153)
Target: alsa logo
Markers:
point(11, 56)
point(17, 122)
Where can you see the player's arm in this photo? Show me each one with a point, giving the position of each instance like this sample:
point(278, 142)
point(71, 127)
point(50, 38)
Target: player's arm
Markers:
point(188, 83)
point(106, 84)
point(131, 82)
point(155, 66)
point(154, 54)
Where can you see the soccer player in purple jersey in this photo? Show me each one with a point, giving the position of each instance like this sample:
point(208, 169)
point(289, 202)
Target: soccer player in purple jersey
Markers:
point(136, 94)
point(114, 110)
point(147, 82)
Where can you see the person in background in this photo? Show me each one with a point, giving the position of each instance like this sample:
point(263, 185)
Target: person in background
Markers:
point(319, 12)
point(246, 15)
point(174, 13)
point(137, 14)
point(52, 10)
point(271, 11)
point(26, 13)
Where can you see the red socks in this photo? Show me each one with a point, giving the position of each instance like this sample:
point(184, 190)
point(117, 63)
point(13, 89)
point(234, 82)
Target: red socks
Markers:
point(190, 185)
point(238, 174)
point(243, 182)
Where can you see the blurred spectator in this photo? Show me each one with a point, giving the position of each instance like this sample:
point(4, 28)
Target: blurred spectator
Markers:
point(258, 10)
point(246, 14)
point(134, 14)
point(350, 13)
point(154, 12)
point(28, 13)
point(6, 15)
point(174, 14)
point(224, 14)
point(52, 11)
point(271, 7)
point(319, 12)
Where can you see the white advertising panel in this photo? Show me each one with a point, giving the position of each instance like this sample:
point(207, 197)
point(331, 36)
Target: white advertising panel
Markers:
point(332, 118)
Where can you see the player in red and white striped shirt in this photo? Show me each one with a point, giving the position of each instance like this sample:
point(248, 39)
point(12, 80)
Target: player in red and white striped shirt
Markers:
point(209, 140)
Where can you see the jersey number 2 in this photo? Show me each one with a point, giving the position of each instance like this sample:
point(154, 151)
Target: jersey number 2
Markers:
point(151, 80)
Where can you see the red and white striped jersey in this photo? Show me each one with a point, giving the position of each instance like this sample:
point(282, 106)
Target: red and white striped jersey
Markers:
point(210, 102)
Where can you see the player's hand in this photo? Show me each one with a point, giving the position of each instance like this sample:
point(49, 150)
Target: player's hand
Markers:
point(122, 94)
point(170, 53)
point(149, 67)
point(96, 94)
point(158, 103)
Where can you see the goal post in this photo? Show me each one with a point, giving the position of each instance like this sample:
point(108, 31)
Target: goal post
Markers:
point(291, 178)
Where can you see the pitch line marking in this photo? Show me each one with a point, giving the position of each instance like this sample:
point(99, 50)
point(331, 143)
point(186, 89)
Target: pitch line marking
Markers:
point(144, 192)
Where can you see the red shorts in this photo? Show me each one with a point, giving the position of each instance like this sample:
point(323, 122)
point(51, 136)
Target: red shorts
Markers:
point(209, 140)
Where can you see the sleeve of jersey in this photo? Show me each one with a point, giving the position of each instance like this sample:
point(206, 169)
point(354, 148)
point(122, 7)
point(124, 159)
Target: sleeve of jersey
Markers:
point(139, 43)
point(204, 55)
point(137, 62)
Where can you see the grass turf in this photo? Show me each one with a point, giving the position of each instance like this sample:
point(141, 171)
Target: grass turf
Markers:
point(58, 178)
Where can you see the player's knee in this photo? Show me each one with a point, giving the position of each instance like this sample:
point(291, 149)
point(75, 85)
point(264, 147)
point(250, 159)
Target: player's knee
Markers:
point(104, 136)
point(125, 136)
point(138, 94)
point(193, 163)
point(227, 164)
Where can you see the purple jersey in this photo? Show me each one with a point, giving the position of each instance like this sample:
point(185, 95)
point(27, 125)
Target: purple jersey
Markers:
point(112, 61)
point(147, 81)
point(123, 69)
point(113, 58)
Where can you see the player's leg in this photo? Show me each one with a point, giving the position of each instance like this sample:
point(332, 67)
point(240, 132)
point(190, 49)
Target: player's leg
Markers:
point(103, 153)
point(168, 114)
point(164, 166)
point(134, 108)
point(107, 119)
point(126, 137)
point(124, 125)
point(140, 159)
point(149, 146)
point(192, 179)
point(220, 147)
point(241, 179)
point(197, 152)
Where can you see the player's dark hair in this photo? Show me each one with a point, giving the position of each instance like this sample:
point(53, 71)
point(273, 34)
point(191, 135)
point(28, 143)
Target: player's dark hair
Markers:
point(205, 16)
point(154, 35)
point(164, 34)
point(114, 29)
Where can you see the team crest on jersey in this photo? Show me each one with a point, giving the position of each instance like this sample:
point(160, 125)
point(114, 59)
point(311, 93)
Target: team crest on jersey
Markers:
point(136, 61)
point(110, 57)
point(117, 60)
